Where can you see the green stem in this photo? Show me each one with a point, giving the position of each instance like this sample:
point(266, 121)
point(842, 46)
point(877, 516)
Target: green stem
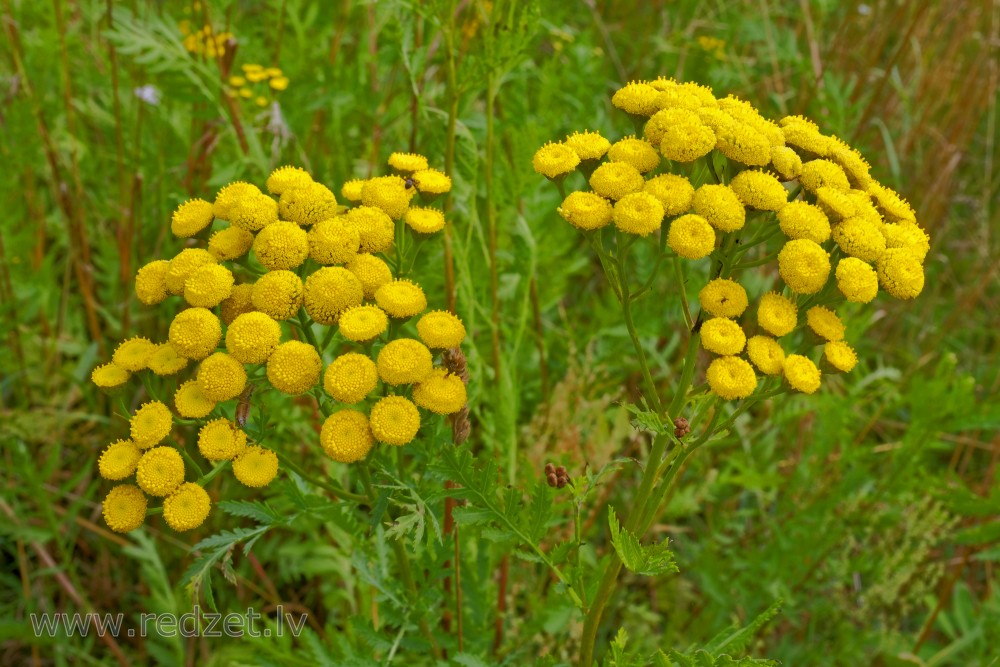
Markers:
point(335, 489)
point(679, 273)
point(307, 331)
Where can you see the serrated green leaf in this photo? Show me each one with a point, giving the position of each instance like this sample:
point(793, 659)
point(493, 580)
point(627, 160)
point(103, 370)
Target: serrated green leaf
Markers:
point(652, 560)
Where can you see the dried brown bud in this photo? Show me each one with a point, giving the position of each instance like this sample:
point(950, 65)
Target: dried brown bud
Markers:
point(454, 360)
point(460, 426)
point(552, 479)
point(563, 481)
point(681, 427)
point(561, 471)
point(549, 469)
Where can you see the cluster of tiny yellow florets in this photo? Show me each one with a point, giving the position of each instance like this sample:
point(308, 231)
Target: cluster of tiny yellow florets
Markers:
point(256, 83)
point(843, 235)
point(273, 272)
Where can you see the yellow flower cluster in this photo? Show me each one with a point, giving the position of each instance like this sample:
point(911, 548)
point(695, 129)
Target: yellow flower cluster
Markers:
point(749, 192)
point(256, 83)
point(270, 267)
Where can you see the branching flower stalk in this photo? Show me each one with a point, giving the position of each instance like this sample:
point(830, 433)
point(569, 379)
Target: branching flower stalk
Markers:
point(712, 179)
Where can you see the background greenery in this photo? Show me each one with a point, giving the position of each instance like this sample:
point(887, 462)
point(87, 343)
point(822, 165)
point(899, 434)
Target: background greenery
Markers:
point(870, 510)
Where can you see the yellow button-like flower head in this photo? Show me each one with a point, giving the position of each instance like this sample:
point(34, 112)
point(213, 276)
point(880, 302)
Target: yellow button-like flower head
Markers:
point(183, 265)
point(187, 507)
point(441, 392)
point(350, 378)
point(109, 376)
point(308, 204)
point(802, 220)
point(759, 190)
point(286, 178)
point(856, 280)
point(165, 361)
point(346, 436)
point(230, 195)
point(801, 373)
point(160, 471)
point(404, 361)
point(424, 220)
point(294, 367)
point(825, 323)
point(394, 420)
point(776, 314)
point(401, 298)
point(440, 330)
point(372, 271)
point(407, 162)
point(719, 205)
point(221, 377)
point(221, 440)
point(691, 236)
point(150, 424)
point(151, 282)
point(731, 378)
point(191, 402)
point(333, 241)
point(804, 266)
point(839, 356)
point(124, 508)
point(133, 354)
point(253, 212)
point(281, 246)
point(614, 180)
point(637, 152)
point(721, 335)
point(900, 273)
point(723, 297)
point(191, 217)
point(278, 294)
point(585, 210)
point(208, 286)
point(119, 460)
point(588, 145)
point(239, 302)
point(675, 193)
point(639, 213)
point(230, 243)
point(637, 99)
point(363, 323)
point(195, 333)
point(766, 354)
point(388, 193)
point(252, 337)
point(329, 292)
point(255, 467)
point(375, 228)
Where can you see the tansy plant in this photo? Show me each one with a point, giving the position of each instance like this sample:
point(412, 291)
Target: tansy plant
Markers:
point(717, 192)
point(289, 291)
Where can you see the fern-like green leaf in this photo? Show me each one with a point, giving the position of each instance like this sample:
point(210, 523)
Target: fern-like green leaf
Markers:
point(651, 561)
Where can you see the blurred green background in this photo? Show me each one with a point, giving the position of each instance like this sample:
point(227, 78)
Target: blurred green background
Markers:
point(870, 509)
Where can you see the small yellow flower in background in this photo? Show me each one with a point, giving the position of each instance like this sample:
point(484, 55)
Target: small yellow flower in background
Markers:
point(191, 402)
point(637, 152)
point(350, 378)
point(329, 292)
point(160, 471)
point(351, 190)
point(109, 376)
point(719, 205)
point(183, 265)
point(801, 373)
point(281, 245)
point(723, 336)
point(195, 333)
point(588, 145)
point(766, 354)
point(221, 440)
point(637, 99)
point(440, 330)
point(237, 81)
point(586, 211)
point(255, 467)
point(424, 220)
point(150, 282)
point(404, 361)
point(825, 323)
point(394, 420)
point(273, 72)
point(239, 302)
point(124, 508)
point(856, 280)
point(388, 193)
point(776, 314)
point(401, 299)
point(759, 190)
point(375, 228)
point(554, 160)
point(614, 180)
point(731, 378)
point(260, 101)
point(639, 213)
point(119, 460)
point(294, 367)
point(675, 193)
point(802, 220)
point(133, 354)
point(252, 337)
point(208, 285)
point(279, 83)
point(191, 217)
point(900, 273)
point(346, 436)
point(839, 356)
point(230, 243)
point(221, 377)
point(371, 271)
point(408, 162)
point(723, 297)
point(804, 266)
point(278, 294)
point(187, 507)
point(251, 67)
point(150, 424)
point(440, 392)
point(363, 323)
point(247, 93)
point(165, 361)
point(691, 236)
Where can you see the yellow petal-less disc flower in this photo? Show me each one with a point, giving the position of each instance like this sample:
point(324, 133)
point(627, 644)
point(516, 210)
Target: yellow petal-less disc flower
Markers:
point(256, 467)
point(109, 376)
point(856, 280)
point(900, 273)
point(407, 162)
point(802, 220)
point(278, 83)
point(859, 238)
point(195, 333)
point(786, 162)
point(431, 182)
point(187, 507)
point(731, 378)
point(817, 174)
point(191, 402)
point(363, 323)
point(183, 265)
point(691, 236)
point(124, 508)
point(308, 204)
point(806, 138)
point(404, 361)
point(441, 392)
point(346, 436)
point(851, 161)
point(441, 330)
point(221, 440)
point(329, 292)
point(350, 378)
point(424, 220)
point(133, 354)
point(191, 217)
point(351, 190)
point(252, 337)
point(165, 361)
point(119, 460)
point(588, 145)
point(160, 471)
point(375, 228)
point(333, 241)
point(723, 297)
point(614, 180)
point(907, 235)
point(825, 323)
point(766, 354)
point(150, 424)
point(554, 160)
point(741, 143)
point(759, 190)
point(675, 193)
point(372, 271)
point(388, 193)
point(840, 357)
point(230, 243)
point(585, 210)
point(837, 204)
point(723, 336)
point(151, 282)
point(776, 314)
point(801, 373)
point(253, 212)
point(221, 377)
point(639, 213)
point(804, 266)
point(686, 142)
point(286, 178)
point(394, 420)
point(636, 98)
point(720, 206)
point(637, 152)
point(401, 298)
point(294, 367)
point(208, 286)
point(656, 127)
point(281, 246)
point(894, 207)
point(229, 195)
point(278, 294)
point(239, 302)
